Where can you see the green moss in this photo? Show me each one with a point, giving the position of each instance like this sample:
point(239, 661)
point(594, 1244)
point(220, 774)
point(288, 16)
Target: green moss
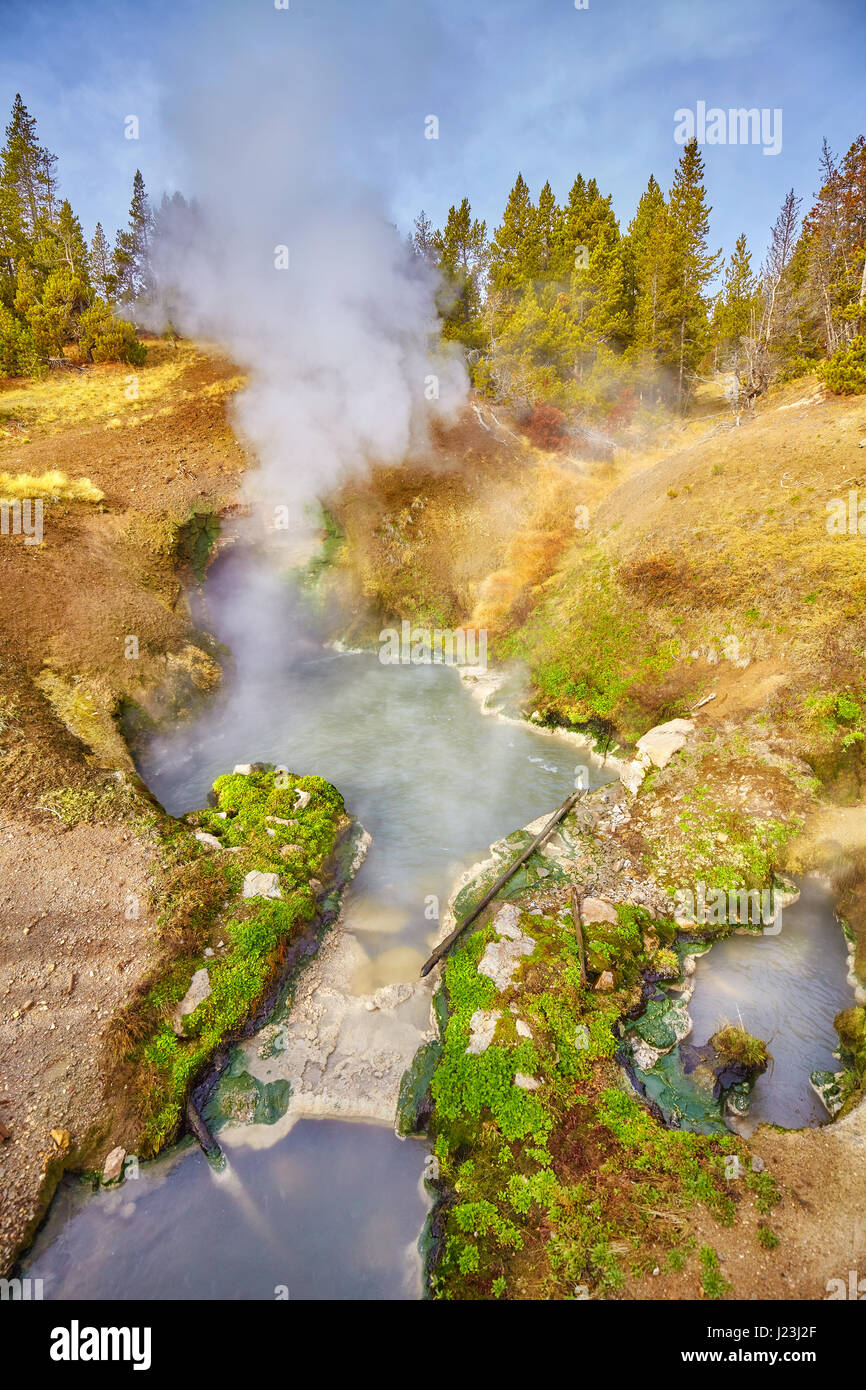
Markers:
point(196, 538)
point(715, 1286)
point(590, 649)
point(735, 1045)
point(538, 1176)
point(765, 1191)
point(205, 903)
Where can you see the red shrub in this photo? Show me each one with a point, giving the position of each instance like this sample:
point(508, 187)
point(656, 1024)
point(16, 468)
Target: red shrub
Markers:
point(546, 429)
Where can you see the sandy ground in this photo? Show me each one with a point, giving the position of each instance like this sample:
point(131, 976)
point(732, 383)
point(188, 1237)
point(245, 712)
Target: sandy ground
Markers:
point(77, 931)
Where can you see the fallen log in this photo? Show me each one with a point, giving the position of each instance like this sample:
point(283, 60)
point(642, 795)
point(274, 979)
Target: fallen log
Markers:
point(578, 927)
point(445, 946)
point(201, 1131)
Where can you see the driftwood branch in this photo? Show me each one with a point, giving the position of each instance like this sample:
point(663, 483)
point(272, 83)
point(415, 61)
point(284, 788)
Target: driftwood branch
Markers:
point(445, 946)
point(576, 902)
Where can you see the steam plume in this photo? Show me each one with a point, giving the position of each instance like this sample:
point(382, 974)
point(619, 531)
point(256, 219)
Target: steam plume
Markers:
point(284, 125)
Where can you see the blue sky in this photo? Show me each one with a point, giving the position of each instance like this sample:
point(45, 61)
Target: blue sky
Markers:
point(541, 87)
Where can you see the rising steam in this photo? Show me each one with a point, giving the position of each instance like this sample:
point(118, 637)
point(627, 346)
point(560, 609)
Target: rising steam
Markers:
point(284, 123)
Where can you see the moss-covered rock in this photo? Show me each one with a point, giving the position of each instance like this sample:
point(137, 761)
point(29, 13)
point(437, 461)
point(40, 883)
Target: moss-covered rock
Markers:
point(247, 940)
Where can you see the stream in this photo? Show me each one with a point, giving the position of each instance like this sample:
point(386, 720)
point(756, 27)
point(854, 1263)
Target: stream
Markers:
point(323, 1208)
point(329, 1208)
point(787, 990)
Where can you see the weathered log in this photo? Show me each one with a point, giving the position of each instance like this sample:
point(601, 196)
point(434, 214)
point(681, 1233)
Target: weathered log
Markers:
point(445, 946)
point(200, 1130)
point(578, 927)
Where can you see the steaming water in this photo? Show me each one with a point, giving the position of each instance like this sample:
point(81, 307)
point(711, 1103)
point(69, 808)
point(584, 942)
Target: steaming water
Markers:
point(332, 1209)
point(304, 1215)
point(786, 989)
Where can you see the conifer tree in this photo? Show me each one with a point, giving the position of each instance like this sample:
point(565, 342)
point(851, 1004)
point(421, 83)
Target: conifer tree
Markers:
point(132, 246)
point(102, 274)
point(692, 267)
point(737, 310)
point(72, 248)
point(777, 287)
point(647, 254)
point(547, 235)
point(461, 251)
point(27, 173)
point(422, 239)
point(512, 251)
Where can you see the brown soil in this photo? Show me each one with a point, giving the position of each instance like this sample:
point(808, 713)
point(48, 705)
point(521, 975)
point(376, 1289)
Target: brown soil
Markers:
point(77, 934)
point(820, 1221)
point(77, 925)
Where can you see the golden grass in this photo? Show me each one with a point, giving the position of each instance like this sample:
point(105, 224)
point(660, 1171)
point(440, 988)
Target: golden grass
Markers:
point(115, 394)
point(53, 484)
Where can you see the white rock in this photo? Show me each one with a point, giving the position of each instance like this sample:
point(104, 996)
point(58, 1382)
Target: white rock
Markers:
point(205, 839)
point(526, 1083)
point(243, 769)
point(260, 885)
point(660, 744)
point(391, 996)
point(482, 1026)
point(633, 774)
point(507, 921)
point(113, 1165)
point(501, 958)
point(605, 981)
point(523, 1029)
point(302, 798)
point(198, 991)
point(645, 1056)
point(597, 910)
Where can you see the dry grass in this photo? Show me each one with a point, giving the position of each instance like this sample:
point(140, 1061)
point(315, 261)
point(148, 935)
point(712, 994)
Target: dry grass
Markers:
point(111, 394)
point(52, 484)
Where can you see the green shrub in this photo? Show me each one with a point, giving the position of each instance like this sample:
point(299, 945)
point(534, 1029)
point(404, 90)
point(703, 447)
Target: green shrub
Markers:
point(845, 371)
point(105, 338)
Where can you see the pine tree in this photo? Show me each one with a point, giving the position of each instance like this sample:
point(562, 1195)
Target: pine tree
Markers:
point(547, 235)
point(775, 278)
point(829, 262)
point(692, 268)
point(647, 259)
point(132, 246)
point(422, 238)
point(72, 248)
point(571, 227)
point(102, 274)
point(512, 252)
point(461, 251)
point(27, 173)
point(737, 308)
